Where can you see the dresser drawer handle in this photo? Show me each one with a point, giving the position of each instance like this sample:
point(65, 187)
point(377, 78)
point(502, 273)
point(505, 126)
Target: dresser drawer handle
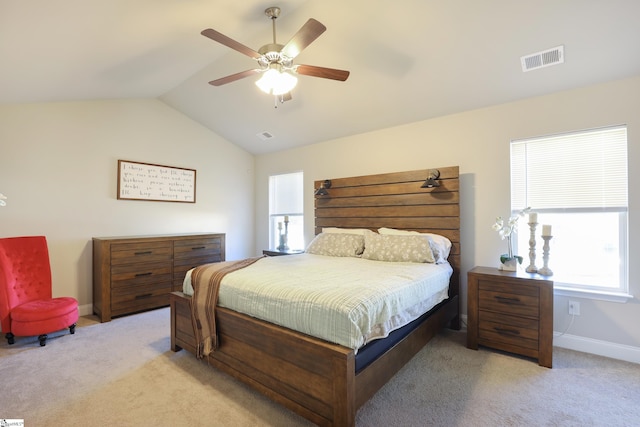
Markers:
point(506, 300)
point(143, 253)
point(507, 331)
point(143, 274)
point(198, 248)
point(141, 296)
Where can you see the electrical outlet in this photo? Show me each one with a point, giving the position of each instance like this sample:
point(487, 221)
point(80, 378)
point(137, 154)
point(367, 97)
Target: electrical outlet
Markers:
point(574, 308)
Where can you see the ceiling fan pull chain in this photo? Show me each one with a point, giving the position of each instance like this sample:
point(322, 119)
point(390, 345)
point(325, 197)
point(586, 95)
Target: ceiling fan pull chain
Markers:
point(273, 22)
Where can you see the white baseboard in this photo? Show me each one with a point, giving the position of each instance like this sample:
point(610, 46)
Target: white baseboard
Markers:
point(589, 345)
point(601, 348)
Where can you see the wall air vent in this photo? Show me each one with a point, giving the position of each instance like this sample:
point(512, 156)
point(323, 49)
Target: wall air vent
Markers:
point(543, 59)
point(265, 135)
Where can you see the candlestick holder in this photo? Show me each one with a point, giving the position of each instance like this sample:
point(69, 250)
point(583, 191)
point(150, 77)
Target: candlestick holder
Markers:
point(532, 249)
point(283, 246)
point(545, 270)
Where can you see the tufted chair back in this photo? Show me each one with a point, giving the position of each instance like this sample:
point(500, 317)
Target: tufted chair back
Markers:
point(25, 274)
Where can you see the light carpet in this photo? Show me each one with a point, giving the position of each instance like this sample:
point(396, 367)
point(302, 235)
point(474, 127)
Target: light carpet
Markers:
point(123, 373)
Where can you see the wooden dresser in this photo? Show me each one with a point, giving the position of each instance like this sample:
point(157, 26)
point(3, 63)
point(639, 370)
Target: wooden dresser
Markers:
point(134, 273)
point(510, 311)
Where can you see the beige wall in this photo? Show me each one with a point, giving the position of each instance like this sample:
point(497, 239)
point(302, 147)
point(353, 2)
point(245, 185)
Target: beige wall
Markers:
point(58, 168)
point(478, 141)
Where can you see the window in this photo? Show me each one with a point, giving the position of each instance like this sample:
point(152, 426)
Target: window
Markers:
point(286, 219)
point(577, 182)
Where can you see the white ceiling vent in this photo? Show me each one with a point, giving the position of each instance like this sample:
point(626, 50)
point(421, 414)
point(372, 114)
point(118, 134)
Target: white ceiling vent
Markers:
point(543, 59)
point(265, 135)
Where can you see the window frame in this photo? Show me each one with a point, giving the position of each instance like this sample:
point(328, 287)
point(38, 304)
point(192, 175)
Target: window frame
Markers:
point(520, 179)
point(277, 215)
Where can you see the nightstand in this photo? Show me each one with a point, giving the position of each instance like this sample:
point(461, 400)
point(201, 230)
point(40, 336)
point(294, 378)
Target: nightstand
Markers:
point(275, 252)
point(510, 311)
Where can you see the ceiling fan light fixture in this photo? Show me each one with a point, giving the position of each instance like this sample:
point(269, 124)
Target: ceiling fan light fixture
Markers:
point(276, 82)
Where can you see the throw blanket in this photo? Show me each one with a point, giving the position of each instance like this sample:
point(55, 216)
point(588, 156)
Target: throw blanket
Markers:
point(205, 280)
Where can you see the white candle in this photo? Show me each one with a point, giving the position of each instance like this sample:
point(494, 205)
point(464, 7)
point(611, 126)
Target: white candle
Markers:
point(546, 230)
point(533, 217)
point(286, 218)
point(279, 226)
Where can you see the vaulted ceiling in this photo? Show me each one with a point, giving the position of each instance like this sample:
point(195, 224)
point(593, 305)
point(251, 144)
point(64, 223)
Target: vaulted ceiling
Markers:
point(409, 60)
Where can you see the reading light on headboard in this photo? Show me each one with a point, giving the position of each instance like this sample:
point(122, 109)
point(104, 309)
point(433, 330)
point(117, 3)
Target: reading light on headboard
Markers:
point(431, 180)
point(322, 191)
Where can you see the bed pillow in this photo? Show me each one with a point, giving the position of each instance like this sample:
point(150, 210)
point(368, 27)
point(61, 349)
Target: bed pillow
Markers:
point(440, 245)
point(397, 248)
point(337, 230)
point(337, 244)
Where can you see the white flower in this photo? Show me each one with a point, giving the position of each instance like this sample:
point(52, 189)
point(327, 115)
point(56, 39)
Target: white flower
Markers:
point(506, 230)
point(2, 200)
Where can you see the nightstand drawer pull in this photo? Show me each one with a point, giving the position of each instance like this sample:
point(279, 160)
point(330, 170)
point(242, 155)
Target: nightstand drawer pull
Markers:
point(506, 300)
point(504, 331)
point(144, 274)
point(141, 296)
point(197, 248)
point(144, 253)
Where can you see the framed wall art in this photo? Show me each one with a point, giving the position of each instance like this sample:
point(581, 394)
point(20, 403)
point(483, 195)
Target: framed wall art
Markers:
point(146, 181)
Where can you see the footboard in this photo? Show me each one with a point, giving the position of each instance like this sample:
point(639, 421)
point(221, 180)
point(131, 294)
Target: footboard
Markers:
point(311, 377)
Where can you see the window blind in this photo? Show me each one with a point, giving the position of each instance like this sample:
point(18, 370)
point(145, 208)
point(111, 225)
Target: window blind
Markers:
point(286, 194)
point(571, 171)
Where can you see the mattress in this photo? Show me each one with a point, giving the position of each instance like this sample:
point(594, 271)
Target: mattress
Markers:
point(345, 300)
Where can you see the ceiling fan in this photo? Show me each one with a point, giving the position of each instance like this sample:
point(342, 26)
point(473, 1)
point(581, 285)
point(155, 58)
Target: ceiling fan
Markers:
point(275, 61)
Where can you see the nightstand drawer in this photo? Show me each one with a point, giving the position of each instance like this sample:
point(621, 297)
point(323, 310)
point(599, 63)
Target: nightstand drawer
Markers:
point(500, 302)
point(505, 325)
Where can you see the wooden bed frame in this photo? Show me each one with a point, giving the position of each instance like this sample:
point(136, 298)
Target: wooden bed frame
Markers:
point(312, 377)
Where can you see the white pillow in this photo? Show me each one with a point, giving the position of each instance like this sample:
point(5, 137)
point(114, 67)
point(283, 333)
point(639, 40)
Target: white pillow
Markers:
point(440, 245)
point(337, 230)
point(337, 244)
point(397, 248)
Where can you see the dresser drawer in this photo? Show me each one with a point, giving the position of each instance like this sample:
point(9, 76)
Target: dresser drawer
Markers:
point(136, 298)
point(181, 266)
point(197, 248)
point(139, 274)
point(133, 253)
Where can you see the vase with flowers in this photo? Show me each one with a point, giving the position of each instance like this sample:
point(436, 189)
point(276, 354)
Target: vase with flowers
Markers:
point(506, 230)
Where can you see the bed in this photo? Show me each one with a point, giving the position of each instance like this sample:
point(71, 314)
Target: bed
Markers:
point(320, 380)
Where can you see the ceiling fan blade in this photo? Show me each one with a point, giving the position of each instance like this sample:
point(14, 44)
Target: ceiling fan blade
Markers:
point(325, 73)
point(221, 38)
point(233, 77)
point(310, 31)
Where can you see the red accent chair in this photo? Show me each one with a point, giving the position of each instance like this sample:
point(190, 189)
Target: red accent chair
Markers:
point(26, 305)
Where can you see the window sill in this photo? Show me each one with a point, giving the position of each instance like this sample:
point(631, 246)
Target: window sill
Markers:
point(596, 295)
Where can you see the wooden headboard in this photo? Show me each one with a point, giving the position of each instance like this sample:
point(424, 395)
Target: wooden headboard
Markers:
point(396, 200)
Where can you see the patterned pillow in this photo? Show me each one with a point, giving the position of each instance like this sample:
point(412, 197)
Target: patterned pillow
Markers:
point(337, 244)
point(397, 248)
point(440, 245)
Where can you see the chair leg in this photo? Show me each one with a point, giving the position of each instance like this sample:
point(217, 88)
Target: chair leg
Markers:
point(10, 338)
point(43, 340)
point(72, 329)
